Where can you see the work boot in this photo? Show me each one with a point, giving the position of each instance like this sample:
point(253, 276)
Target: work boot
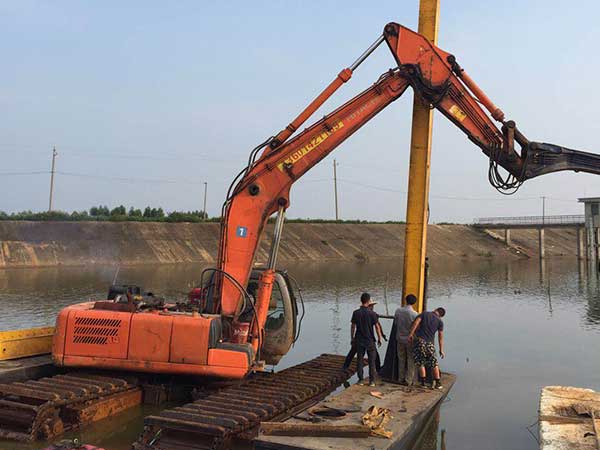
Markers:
point(437, 384)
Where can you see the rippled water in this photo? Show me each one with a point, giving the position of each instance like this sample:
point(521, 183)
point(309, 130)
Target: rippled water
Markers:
point(511, 329)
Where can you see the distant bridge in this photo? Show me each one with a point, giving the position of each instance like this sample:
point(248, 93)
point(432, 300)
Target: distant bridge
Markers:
point(571, 221)
point(576, 221)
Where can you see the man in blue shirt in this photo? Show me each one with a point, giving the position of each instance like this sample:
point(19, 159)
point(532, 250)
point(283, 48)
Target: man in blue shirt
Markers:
point(362, 335)
point(422, 336)
point(403, 319)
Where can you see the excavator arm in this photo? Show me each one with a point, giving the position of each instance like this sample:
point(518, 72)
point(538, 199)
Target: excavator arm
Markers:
point(263, 187)
point(440, 81)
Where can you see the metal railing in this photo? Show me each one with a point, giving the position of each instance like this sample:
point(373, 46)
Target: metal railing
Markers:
point(573, 219)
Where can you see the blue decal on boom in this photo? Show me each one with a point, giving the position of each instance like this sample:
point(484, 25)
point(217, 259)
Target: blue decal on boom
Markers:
point(241, 232)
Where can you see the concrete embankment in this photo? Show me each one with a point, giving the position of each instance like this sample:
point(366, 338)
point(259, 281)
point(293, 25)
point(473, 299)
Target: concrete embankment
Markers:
point(43, 244)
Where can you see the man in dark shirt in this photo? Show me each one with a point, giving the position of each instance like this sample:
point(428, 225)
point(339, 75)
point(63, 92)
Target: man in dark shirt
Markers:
point(422, 336)
point(352, 353)
point(362, 335)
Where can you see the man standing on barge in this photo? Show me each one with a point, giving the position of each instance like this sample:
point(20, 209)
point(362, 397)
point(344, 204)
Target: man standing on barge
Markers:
point(403, 319)
point(422, 337)
point(364, 319)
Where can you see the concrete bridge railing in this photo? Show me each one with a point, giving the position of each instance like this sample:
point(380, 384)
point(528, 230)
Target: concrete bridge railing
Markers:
point(534, 221)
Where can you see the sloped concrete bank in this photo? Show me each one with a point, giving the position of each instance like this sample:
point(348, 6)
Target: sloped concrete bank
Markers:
point(47, 244)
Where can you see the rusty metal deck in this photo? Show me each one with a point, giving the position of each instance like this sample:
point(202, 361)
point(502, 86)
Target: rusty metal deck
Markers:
point(236, 411)
point(45, 408)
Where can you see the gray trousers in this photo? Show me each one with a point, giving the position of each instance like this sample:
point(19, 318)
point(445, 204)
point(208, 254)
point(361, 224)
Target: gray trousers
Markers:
point(406, 363)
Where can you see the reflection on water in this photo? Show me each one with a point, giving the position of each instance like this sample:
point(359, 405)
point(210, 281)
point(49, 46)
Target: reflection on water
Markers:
point(429, 437)
point(511, 328)
point(335, 323)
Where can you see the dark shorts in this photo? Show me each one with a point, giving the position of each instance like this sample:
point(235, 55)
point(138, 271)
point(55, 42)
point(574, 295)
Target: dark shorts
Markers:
point(424, 353)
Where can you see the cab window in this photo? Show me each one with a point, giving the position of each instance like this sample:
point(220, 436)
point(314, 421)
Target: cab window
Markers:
point(276, 314)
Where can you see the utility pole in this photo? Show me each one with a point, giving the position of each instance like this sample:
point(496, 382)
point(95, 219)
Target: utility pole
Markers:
point(204, 208)
point(337, 215)
point(543, 210)
point(52, 178)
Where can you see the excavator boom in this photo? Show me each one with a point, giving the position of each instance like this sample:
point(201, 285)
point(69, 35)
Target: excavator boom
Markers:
point(265, 188)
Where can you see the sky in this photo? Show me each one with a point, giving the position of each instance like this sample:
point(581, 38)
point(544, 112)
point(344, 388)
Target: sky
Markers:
point(147, 100)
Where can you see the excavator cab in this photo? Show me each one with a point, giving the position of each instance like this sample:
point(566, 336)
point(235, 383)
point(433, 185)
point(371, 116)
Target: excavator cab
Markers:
point(282, 324)
point(281, 327)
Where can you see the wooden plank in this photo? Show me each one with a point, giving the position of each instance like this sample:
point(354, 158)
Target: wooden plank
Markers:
point(27, 342)
point(313, 429)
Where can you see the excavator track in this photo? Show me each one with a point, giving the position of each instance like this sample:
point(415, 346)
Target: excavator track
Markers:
point(45, 408)
point(236, 411)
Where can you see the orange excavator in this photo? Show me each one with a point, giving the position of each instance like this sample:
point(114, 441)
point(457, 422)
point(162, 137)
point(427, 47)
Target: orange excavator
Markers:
point(243, 317)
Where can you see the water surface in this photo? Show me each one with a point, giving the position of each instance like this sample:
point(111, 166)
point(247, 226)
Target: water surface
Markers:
point(511, 328)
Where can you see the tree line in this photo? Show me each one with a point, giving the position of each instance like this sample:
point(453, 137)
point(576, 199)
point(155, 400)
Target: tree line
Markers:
point(117, 214)
point(122, 214)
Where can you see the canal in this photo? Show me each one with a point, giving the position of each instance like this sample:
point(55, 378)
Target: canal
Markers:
point(511, 328)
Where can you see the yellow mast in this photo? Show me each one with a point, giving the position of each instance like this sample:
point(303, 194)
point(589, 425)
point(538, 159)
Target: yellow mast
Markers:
point(417, 205)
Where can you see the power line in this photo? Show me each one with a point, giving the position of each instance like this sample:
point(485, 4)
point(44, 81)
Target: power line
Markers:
point(103, 177)
point(440, 197)
point(9, 174)
point(484, 199)
point(128, 179)
point(150, 157)
point(370, 186)
point(128, 155)
point(370, 166)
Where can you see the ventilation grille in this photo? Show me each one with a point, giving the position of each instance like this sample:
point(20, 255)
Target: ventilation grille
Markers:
point(95, 331)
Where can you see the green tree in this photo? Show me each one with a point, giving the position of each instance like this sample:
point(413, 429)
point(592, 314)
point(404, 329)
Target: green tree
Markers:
point(97, 211)
point(133, 212)
point(80, 215)
point(156, 213)
point(119, 211)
